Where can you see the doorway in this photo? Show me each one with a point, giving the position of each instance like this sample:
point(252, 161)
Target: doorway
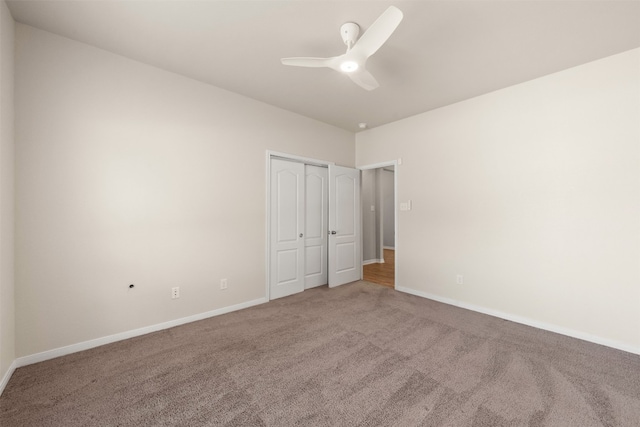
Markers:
point(379, 223)
point(382, 273)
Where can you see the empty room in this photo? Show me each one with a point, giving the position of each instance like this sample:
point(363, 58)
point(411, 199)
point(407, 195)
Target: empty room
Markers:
point(336, 213)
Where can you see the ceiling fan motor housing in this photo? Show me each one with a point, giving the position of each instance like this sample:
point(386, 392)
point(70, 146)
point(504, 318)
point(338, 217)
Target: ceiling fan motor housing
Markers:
point(349, 32)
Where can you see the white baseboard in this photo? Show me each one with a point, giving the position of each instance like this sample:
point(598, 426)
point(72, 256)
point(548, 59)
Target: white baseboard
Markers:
point(7, 376)
point(526, 321)
point(74, 348)
point(393, 248)
point(373, 261)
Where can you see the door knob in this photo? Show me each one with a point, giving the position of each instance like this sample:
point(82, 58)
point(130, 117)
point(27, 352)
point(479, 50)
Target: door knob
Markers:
point(334, 232)
point(300, 234)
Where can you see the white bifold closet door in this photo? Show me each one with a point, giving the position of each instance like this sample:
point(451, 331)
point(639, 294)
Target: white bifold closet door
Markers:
point(316, 223)
point(287, 228)
point(345, 256)
point(314, 227)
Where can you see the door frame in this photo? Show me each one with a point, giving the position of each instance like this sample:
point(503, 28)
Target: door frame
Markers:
point(293, 158)
point(381, 165)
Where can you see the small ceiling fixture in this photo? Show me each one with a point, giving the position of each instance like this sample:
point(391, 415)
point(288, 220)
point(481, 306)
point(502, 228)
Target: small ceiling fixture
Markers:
point(362, 125)
point(358, 49)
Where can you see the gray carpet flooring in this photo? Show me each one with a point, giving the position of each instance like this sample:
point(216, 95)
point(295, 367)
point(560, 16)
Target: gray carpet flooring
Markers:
point(358, 355)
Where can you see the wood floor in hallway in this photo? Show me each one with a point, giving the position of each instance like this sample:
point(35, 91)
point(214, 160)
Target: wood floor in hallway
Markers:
point(382, 273)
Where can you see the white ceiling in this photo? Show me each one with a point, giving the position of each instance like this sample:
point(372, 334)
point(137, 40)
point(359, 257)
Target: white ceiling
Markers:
point(442, 52)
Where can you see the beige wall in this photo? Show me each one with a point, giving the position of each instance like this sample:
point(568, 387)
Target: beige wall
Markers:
point(7, 329)
point(387, 181)
point(369, 198)
point(129, 174)
point(532, 193)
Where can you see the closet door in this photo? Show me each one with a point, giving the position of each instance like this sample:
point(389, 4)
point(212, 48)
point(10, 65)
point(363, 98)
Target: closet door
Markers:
point(345, 258)
point(287, 228)
point(315, 236)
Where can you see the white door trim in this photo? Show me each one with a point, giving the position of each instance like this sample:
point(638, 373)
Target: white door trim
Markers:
point(393, 163)
point(293, 158)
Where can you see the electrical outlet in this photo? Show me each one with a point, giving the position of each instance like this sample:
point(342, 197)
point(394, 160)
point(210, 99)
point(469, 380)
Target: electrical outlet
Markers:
point(460, 279)
point(223, 283)
point(175, 292)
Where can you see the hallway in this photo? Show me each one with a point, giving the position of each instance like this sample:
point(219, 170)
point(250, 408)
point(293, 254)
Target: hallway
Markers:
point(382, 273)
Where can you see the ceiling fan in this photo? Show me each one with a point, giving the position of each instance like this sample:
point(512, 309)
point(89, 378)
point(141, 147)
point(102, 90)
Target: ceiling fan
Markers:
point(352, 63)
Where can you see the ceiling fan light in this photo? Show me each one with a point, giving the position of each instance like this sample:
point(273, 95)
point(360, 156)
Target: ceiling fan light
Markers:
point(349, 66)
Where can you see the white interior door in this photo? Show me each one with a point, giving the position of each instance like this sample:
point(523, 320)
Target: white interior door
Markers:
point(345, 259)
point(286, 268)
point(316, 222)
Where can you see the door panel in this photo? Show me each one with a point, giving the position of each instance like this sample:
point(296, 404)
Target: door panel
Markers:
point(345, 260)
point(287, 222)
point(313, 262)
point(345, 207)
point(345, 257)
point(287, 266)
point(287, 198)
point(316, 198)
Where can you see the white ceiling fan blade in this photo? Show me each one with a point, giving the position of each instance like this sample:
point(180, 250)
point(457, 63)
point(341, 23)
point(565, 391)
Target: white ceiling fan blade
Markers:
point(378, 32)
point(364, 79)
point(307, 62)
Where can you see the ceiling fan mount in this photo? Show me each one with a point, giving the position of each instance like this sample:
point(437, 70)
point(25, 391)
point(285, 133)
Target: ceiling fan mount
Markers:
point(349, 32)
point(353, 62)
